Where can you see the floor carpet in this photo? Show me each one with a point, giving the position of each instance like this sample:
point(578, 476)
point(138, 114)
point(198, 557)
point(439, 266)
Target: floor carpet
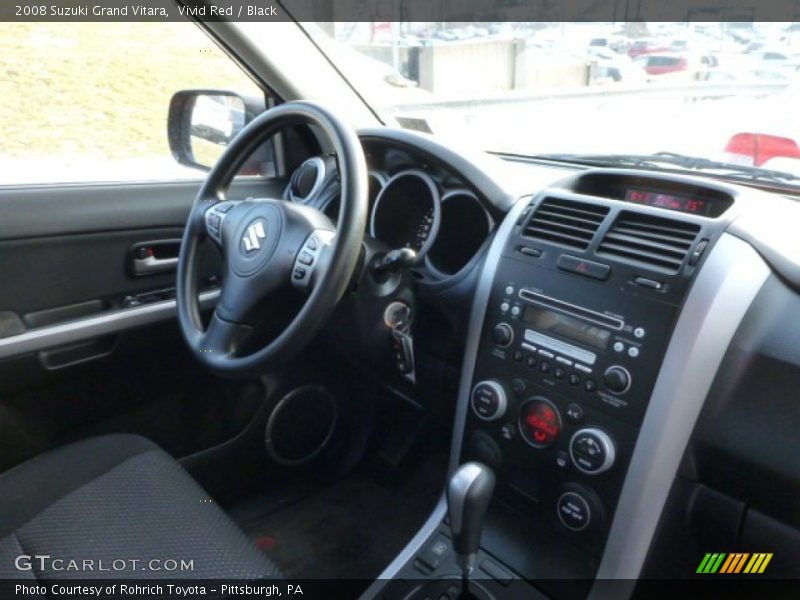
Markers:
point(350, 529)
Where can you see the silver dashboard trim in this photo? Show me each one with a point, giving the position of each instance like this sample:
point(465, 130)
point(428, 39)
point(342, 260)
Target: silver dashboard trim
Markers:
point(91, 327)
point(717, 302)
point(479, 308)
point(483, 290)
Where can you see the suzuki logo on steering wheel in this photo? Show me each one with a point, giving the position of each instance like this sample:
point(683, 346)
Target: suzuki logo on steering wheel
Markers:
point(253, 236)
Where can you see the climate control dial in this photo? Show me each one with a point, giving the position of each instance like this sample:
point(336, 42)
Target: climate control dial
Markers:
point(592, 451)
point(489, 401)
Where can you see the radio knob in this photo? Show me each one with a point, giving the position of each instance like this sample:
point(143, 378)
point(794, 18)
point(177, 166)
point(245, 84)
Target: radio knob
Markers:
point(592, 451)
point(489, 400)
point(502, 335)
point(617, 379)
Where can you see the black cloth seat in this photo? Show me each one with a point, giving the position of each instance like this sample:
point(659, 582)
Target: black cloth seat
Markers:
point(117, 498)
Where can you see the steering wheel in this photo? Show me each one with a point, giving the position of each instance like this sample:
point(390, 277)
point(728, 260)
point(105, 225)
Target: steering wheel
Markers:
point(268, 245)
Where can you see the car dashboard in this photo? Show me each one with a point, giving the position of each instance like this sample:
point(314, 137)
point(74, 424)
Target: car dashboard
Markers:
point(592, 322)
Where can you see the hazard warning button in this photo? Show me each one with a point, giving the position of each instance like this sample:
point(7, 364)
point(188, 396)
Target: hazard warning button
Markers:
point(581, 266)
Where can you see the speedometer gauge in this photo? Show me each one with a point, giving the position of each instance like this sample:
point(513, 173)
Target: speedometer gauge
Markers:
point(407, 212)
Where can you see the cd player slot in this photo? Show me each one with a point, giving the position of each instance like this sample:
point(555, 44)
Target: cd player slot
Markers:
point(572, 309)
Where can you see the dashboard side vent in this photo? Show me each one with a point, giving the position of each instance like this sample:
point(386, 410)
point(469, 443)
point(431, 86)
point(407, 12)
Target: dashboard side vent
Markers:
point(565, 222)
point(652, 242)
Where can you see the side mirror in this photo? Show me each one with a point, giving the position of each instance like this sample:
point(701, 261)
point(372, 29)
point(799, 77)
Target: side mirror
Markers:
point(202, 123)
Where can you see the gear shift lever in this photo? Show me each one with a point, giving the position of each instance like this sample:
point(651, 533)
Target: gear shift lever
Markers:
point(468, 495)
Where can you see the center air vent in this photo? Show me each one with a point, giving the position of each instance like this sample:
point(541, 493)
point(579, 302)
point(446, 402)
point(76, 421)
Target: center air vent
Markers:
point(565, 222)
point(653, 242)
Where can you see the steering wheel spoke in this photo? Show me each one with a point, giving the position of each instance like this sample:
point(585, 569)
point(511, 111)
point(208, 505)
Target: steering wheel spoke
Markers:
point(221, 339)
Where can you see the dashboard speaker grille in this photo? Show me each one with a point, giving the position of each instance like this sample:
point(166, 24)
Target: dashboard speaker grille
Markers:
point(653, 242)
point(565, 222)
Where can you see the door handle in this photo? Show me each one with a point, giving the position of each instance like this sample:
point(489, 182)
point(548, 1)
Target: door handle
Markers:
point(151, 264)
point(148, 258)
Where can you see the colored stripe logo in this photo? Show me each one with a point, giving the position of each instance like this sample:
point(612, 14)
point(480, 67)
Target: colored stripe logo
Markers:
point(734, 563)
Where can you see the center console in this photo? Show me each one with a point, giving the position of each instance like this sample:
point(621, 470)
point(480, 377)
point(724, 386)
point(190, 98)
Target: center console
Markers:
point(581, 310)
point(577, 305)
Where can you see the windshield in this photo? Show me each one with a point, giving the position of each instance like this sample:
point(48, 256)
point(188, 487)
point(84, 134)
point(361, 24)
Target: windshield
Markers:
point(727, 92)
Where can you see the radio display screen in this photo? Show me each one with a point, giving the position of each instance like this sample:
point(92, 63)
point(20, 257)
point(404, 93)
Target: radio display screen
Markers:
point(569, 327)
point(695, 206)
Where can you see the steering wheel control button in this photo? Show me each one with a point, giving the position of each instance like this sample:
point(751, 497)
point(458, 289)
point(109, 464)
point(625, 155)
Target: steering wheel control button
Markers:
point(502, 335)
point(574, 412)
point(539, 423)
point(489, 400)
point(573, 511)
point(592, 451)
point(617, 379)
point(308, 256)
point(214, 217)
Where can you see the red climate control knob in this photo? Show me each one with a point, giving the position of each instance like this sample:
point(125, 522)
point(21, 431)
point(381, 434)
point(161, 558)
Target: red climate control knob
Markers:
point(539, 422)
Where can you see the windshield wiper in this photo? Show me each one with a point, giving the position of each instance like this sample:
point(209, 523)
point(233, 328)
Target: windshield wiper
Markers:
point(681, 161)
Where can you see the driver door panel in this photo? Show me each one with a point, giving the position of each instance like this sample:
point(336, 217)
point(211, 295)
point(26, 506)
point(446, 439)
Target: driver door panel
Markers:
point(77, 357)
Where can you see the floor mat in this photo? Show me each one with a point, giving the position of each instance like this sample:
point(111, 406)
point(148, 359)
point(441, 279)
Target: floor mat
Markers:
point(351, 529)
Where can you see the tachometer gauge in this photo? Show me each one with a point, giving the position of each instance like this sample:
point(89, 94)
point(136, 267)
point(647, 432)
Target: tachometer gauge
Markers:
point(407, 212)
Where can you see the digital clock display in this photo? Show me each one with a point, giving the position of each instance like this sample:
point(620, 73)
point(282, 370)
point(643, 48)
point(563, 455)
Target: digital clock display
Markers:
point(685, 204)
